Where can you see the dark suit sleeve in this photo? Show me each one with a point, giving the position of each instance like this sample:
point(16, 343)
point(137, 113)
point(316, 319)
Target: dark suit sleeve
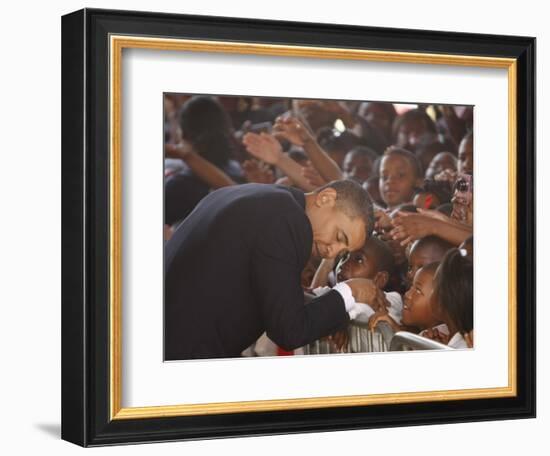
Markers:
point(276, 269)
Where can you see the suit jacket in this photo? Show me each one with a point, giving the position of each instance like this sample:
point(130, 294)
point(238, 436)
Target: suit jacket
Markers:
point(232, 271)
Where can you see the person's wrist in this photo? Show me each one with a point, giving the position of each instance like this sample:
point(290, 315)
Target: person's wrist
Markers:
point(434, 227)
point(279, 158)
point(307, 138)
point(185, 151)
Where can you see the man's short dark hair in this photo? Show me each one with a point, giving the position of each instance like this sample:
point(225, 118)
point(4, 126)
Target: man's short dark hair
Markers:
point(353, 200)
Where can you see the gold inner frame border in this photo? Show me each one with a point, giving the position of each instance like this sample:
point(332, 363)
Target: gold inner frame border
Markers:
point(116, 46)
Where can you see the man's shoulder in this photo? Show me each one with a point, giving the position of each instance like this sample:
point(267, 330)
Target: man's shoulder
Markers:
point(269, 197)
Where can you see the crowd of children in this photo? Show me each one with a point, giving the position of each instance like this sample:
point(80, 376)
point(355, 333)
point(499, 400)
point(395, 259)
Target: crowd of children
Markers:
point(415, 161)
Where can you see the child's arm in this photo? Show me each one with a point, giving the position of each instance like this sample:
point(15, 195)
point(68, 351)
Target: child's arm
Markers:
point(411, 226)
point(266, 147)
point(203, 169)
point(295, 132)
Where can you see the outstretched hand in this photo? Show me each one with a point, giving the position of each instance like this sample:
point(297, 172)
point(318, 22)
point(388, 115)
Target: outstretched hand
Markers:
point(312, 176)
point(382, 222)
point(180, 150)
point(411, 226)
point(291, 129)
point(257, 172)
point(264, 147)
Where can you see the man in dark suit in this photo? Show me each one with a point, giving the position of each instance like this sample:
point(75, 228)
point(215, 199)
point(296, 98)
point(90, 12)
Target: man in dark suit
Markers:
point(232, 268)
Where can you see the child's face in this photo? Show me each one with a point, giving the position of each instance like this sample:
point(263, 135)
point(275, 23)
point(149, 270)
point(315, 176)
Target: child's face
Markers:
point(466, 156)
point(410, 133)
point(360, 264)
point(397, 180)
point(420, 257)
point(441, 162)
point(377, 116)
point(417, 308)
point(357, 167)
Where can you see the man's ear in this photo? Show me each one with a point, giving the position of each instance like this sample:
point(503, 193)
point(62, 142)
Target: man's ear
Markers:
point(326, 197)
point(419, 182)
point(381, 279)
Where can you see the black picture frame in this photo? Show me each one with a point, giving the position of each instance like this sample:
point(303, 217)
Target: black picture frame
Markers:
point(85, 224)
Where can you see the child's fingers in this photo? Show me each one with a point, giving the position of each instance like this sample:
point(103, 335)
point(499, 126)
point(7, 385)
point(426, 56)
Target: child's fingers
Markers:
point(406, 241)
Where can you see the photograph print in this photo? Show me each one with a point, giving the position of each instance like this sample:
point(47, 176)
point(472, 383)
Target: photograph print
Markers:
point(297, 227)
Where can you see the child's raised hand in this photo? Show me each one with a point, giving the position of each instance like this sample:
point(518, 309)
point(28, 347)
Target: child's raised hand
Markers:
point(383, 221)
point(291, 129)
point(411, 226)
point(312, 176)
point(254, 172)
point(180, 150)
point(264, 147)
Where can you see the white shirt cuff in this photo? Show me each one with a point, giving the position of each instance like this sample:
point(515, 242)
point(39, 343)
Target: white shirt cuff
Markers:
point(345, 291)
point(361, 312)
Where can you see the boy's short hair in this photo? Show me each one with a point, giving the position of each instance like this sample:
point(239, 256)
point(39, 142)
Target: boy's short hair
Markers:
point(434, 242)
point(364, 151)
point(383, 254)
point(353, 200)
point(409, 156)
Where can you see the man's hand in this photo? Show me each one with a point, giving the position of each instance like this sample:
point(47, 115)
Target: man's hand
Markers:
point(264, 147)
point(366, 291)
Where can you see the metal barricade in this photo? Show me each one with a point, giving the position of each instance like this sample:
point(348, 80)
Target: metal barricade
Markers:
point(381, 339)
point(404, 340)
point(361, 340)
